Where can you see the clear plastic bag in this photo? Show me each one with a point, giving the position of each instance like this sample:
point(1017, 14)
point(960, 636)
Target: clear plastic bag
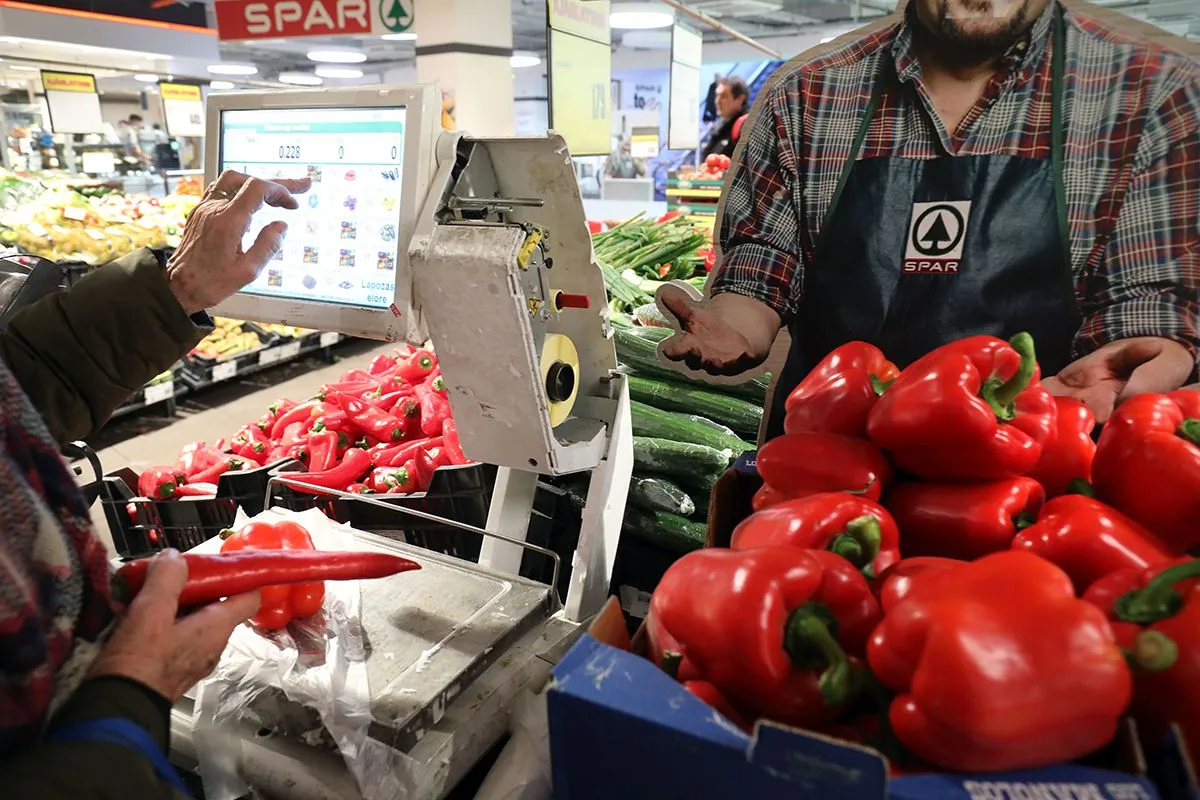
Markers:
point(308, 682)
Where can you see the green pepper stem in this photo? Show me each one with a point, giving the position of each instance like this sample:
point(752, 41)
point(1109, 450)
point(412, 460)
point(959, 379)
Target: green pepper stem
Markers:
point(860, 543)
point(1189, 429)
point(1153, 651)
point(1002, 396)
point(1081, 487)
point(881, 386)
point(809, 642)
point(1024, 520)
point(1157, 599)
point(670, 663)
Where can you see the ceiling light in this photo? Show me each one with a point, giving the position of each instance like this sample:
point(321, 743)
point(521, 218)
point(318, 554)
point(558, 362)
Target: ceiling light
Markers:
point(399, 37)
point(300, 79)
point(639, 16)
point(827, 40)
point(20, 68)
point(146, 77)
point(524, 59)
point(339, 72)
point(220, 86)
point(232, 69)
point(339, 56)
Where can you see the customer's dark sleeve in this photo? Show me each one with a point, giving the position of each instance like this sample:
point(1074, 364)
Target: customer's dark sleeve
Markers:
point(94, 770)
point(80, 354)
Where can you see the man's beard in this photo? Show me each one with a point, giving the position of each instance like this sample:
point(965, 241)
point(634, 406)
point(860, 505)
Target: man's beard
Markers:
point(958, 42)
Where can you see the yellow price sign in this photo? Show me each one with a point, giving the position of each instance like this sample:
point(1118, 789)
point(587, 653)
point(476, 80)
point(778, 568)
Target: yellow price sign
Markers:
point(68, 82)
point(586, 18)
point(580, 92)
point(179, 91)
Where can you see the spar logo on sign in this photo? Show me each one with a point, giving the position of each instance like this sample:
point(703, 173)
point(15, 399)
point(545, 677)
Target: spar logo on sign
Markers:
point(396, 15)
point(269, 19)
point(936, 233)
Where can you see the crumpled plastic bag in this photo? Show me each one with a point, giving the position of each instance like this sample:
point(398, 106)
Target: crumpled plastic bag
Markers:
point(318, 664)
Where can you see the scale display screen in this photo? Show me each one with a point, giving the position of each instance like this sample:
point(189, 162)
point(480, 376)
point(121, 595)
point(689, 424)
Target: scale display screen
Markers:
point(342, 244)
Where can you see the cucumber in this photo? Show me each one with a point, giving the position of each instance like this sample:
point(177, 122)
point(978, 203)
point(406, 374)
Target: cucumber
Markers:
point(740, 415)
point(659, 494)
point(637, 350)
point(651, 421)
point(666, 457)
point(667, 531)
point(576, 492)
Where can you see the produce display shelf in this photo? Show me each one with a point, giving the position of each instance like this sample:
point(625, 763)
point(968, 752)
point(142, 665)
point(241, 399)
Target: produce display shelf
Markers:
point(198, 373)
point(697, 183)
point(702, 212)
point(697, 192)
point(166, 392)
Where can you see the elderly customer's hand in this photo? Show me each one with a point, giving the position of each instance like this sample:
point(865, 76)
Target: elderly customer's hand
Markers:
point(209, 265)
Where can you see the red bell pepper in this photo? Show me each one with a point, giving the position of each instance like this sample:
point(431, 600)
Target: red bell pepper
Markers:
point(1067, 455)
point(158, 483)
point(963, 520)
point(858, 529)
point(370, 420)
point(1087, 540)
point(895, 583)
point(417, 367)
point(453, 443)
point(248, 567)
point(711, 696)
point(1157, 622)
point(354, 465)
point(800, 464)
point(279, 603)
point(771, 628)
point(972, 410)
point(1147, 465)
point(998, 666)
point(766, 497)
point(664, 650)
point(838, 394)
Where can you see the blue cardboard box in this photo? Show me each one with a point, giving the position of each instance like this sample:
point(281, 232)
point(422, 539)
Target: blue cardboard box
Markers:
point(621, 729)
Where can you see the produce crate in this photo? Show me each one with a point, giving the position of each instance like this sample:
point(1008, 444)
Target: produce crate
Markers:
point(141, 526)
point(153, 394)
point(462, 494)
point(199, 372)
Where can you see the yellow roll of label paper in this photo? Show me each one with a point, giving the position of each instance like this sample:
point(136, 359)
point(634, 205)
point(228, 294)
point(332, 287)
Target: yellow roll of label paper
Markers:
point(559, 349)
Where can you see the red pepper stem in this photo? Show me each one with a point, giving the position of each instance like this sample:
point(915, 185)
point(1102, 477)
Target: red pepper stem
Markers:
point(1002, 396)
point(1158, 599)
point(809, 642)
point(670, 663)
point(1081, 487)
point(1189, 429)
point(1153, 652)
point(860, 543)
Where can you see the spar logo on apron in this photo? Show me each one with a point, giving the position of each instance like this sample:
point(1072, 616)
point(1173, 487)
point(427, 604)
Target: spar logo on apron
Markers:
point(936, 233)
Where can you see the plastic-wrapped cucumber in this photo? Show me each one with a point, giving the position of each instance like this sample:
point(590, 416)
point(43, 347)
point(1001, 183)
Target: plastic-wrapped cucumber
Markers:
point(666, 457)
point(651, 421)
point(649, 316)
point(659, 494)
point(637, 350)
point(662, 529)
point(740, 415)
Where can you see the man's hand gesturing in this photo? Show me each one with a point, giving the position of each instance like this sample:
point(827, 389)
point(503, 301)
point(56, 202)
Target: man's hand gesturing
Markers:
point(209, 265)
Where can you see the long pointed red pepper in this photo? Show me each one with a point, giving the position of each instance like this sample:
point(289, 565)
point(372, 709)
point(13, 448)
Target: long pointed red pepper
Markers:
point(354, 465)
point(213, 576)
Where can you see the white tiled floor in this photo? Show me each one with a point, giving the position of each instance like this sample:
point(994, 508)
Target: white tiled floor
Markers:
point(161, 446)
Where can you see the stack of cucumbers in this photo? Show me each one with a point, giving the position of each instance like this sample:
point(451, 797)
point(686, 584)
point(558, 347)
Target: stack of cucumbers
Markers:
point(686, 433)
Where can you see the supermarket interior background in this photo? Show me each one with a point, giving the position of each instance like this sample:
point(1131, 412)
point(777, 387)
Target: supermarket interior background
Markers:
point(109, 125)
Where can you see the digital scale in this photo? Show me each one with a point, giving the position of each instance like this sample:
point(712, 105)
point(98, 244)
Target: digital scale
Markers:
point(411, 233)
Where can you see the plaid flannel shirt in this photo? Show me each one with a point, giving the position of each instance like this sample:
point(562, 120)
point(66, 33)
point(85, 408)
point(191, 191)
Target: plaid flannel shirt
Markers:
point(1132, 166)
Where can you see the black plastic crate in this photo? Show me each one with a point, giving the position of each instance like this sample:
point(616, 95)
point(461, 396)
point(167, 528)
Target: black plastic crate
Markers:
point(141, 526)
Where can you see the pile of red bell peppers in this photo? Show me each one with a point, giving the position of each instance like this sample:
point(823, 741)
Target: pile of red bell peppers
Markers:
point(384, 430)
point(942, 563)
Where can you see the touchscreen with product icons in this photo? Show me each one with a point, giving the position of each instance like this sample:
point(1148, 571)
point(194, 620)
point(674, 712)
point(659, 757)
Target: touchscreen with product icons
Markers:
point(341, 245)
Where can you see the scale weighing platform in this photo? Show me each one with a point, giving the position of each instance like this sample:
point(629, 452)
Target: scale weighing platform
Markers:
point(410, 233)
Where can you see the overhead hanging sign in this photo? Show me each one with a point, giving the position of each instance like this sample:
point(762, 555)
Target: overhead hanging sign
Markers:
point(243, 20)
point(72, 102)
point(683, 119)
point(580, 74)
point(183, 109)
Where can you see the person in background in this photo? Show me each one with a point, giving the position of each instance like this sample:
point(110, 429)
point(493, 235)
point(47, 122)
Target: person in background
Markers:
point(969, 167)
point(710, 100)
point(622, 164)
point(732, 98)
point(86, 689)
point(130, 132)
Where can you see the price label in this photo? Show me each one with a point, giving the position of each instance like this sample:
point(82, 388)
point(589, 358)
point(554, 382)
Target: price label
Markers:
point(270, 356)
point(223, 372)
point(330, 338)
point(635, 602)
point(160, 392)
point(289, 350)
point(75, 212)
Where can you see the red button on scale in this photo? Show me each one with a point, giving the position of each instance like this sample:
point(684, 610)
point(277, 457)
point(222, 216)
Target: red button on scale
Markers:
point(565, 300)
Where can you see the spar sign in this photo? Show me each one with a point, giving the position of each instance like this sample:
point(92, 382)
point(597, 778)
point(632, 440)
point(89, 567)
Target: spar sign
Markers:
point(243, 20)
